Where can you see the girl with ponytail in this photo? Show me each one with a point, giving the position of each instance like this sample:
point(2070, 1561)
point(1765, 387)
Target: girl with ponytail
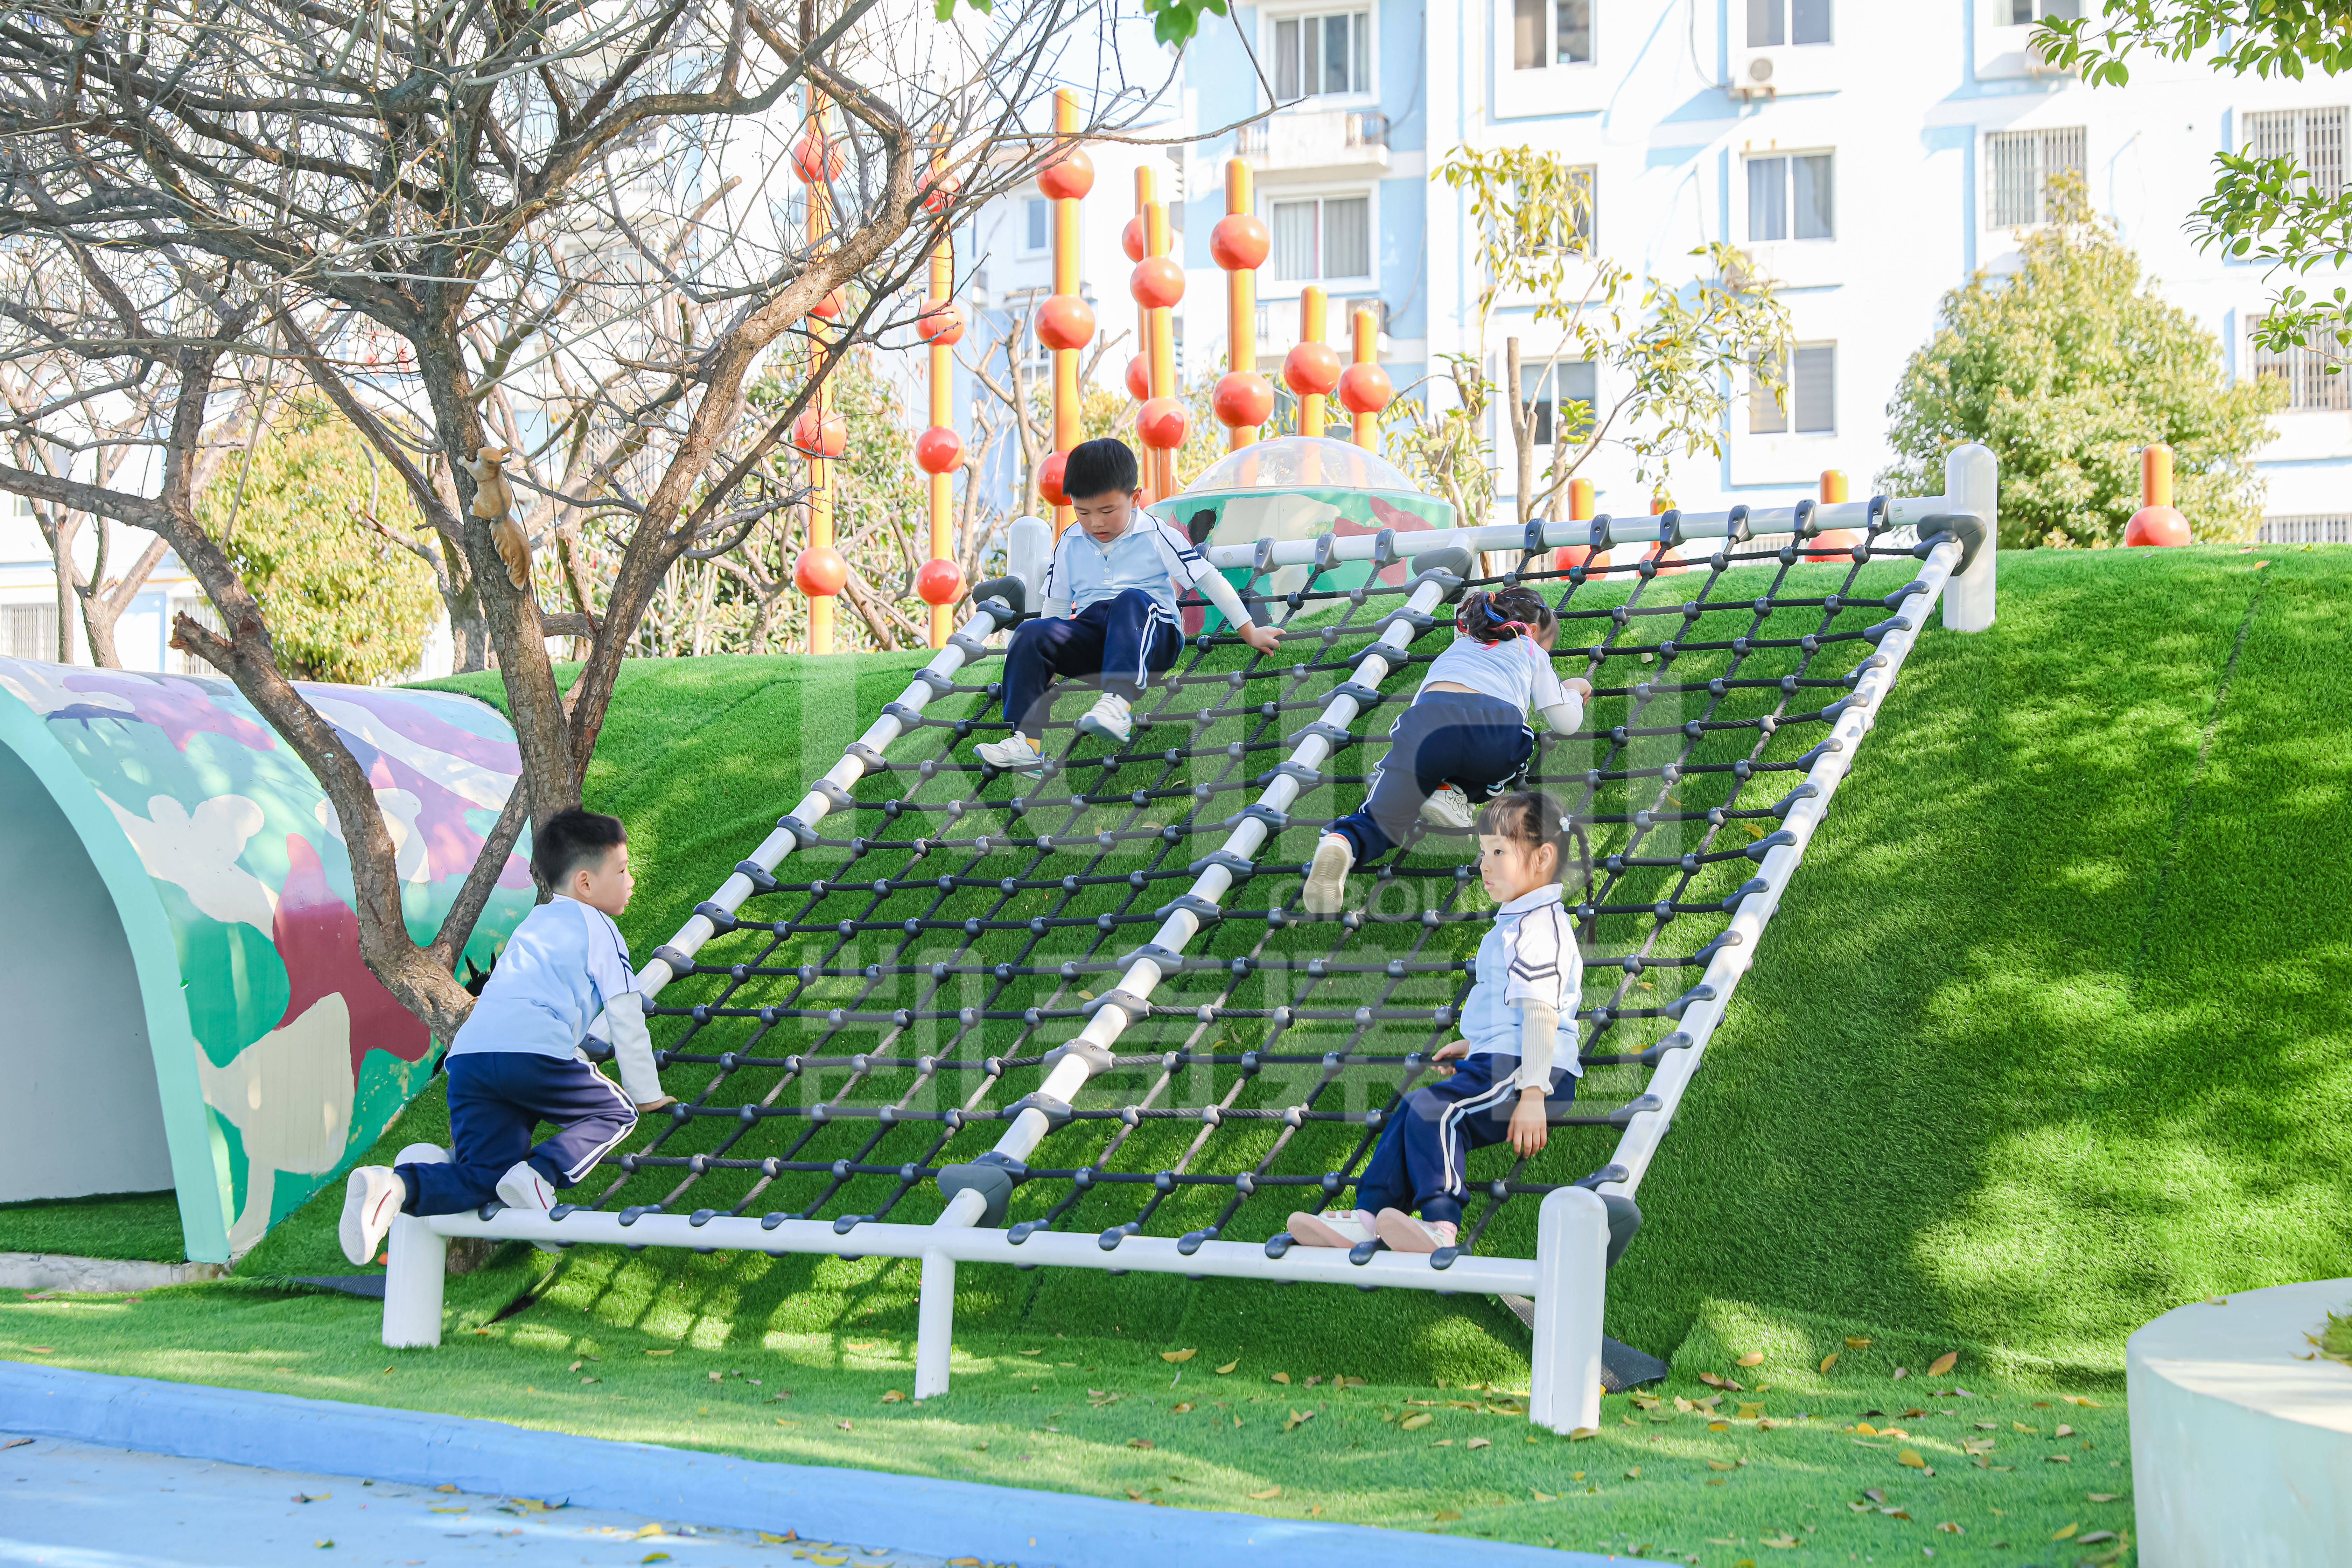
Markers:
point(1464, 738)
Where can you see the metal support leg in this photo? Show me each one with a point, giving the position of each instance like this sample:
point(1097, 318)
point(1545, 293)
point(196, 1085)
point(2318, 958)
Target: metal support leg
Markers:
point(934, 1325)
point(1571, 1282)
point(1972, 483)
point(416, 1269)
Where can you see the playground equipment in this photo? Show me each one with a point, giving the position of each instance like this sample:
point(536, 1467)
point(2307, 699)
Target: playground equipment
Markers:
point(939, 450)
point(187, 1006)
point(2157, 521)
point(819, 434)
point(1038, 1020)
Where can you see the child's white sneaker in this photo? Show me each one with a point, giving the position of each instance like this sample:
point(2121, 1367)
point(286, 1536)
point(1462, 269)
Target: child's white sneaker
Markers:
point(1337, 1227)
point(1450, 807)
point(1016, 754)
point(1327, 875)
point(371, 1198)
point(1404, 1232)
point(523, 1187)
point(1110, 718)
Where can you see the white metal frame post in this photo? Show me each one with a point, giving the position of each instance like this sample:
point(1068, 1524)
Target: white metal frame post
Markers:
point(1572, 1287)
point(1972, 483)
point(417, 1265)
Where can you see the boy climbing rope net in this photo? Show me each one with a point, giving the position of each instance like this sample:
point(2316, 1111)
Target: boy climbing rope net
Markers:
point(517, 1061)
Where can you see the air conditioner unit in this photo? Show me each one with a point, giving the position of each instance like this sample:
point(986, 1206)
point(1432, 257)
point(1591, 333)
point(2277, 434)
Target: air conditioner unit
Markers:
point(1754, 77)
point(1783, 68)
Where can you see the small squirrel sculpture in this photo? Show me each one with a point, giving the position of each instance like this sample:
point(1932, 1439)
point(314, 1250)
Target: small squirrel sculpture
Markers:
point(493, 500)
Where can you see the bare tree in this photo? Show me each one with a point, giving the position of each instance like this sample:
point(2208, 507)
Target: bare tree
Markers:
point(566, 229)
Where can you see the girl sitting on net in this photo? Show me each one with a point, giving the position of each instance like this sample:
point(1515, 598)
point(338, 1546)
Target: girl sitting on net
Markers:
point(1464, 738)
point(1517, 1053)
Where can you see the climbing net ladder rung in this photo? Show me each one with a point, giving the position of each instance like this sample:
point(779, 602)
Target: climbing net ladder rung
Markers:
point(1079, 1019)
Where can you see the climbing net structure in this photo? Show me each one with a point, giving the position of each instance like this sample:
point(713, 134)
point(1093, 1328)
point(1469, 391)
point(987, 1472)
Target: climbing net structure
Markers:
point(1082, 1018)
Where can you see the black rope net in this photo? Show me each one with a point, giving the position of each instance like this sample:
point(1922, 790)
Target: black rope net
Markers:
point(879, 1010)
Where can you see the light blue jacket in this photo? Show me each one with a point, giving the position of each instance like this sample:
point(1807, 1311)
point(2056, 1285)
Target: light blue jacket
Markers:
point(1150, 555)
point(1530, 955)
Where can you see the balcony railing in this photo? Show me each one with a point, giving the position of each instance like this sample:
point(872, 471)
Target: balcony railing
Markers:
point(1318, 138)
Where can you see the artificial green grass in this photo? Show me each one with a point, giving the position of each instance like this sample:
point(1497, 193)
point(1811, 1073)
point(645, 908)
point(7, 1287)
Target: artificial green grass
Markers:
point(1107, 1414)
point(2046, 1037)
point(137, 1226)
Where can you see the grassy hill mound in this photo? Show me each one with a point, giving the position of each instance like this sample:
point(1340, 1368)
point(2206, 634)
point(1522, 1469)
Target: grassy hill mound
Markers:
point(2051, 1032)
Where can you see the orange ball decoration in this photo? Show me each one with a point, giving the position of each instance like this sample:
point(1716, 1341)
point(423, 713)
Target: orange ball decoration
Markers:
point(939, 323)
point(1049, 478)
point(938, 581)
point(1130, 239)
point(1065, 322)
point(1139, 377)
point(1365, 389)
point(1670, 564)
point(939, 450)
point(1311, 368)
point(831, 306)
point(816, 157)
point(1828, 545)
point(1156, 283)
point(1243, 399)
point(940, 188)
point(1162, 423)
point(2159, 526)
point(1068, 177)
point(1568, 557)
point(828, 437)
point(820, 572)
point(1239, 242)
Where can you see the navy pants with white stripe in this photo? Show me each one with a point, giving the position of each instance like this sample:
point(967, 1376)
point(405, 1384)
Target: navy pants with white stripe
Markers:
point(1467, 738)
point(1419, 1161)
point(497, 1100)
point(1119, 643)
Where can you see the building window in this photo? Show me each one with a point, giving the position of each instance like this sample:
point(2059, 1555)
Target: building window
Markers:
point(2019, 13)
point(2019, 168)
point(1330, 237)
point(1808, 398)
point(1040, 215)
point(1573, 230)
point(1327, 54)
point(1771, 23)
point(1550, 33)
point(2312, 139)
point(2307, 527)
point(2305, 370)
point(1565, 389)
point(1792, 196)
point(29, 631)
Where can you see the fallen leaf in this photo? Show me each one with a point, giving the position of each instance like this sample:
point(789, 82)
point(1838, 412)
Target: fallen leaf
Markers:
point(1943, 1363)
point(2095, 1497)
point(51, 1349)
point(1282, 1377)
point(670, 1352)
point(322, 1497)
point(1910, 1456)
point(1720, 1465)
point(1749, 1412)
point(1227, 1367)
point(2064, 1431)
point(1298, 1419)
point(13, 1443)
point(1950, 1528)
point(446, 1487)
point(1545, 1497)
point(1634, 1474)
point(1181, 1410)
point(1902, 1372)
point(2060, 1458)
point(664, 1557)
point(2022, 1427)
point(715, 1376)
point(843, 1425)
point(1578, 1436)
point(1709, 1379)
point(2095, 1536)
point(1033, 1353)
point(2078, 1399)
point(2066, 1532)
point(588, 1379)
point(1178, 1355)
point(1865, 1429)
point(1753, 1358)
point(1416, 1421)
point(1829, 1360)
point(444, 1510)
point(1266, 1496)
point(1444, 1514)
point(1854, 1343)
point(573, 1367)
point(1783, 1541)
point(1481, 1443)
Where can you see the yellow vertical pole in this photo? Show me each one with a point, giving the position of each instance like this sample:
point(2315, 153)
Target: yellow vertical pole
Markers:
point(1065, 281)
point(1145, 188)
point(1367, 348)
point(1241, 299)
point(1832, 486)
point(942, 384)
point(1310, 331)
point(1159, 324)
point(820, 529)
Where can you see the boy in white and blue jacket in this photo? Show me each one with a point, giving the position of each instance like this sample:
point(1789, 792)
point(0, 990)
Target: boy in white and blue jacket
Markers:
point(517, 1062)
point(1110, 614)
point(1517, 1054)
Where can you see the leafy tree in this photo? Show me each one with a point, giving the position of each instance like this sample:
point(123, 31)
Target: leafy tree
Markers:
point(315, 527)
point(2263, 208)
point(2066, 370)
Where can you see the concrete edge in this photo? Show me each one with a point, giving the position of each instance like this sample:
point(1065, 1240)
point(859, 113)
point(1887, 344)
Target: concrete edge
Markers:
point(916, 1513)
point(98, 1275)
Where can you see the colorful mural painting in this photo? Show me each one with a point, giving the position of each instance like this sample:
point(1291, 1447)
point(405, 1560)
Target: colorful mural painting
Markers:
point(277, 1054)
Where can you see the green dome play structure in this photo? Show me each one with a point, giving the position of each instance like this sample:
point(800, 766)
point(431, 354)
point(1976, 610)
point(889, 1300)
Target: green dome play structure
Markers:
point(179, 955)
